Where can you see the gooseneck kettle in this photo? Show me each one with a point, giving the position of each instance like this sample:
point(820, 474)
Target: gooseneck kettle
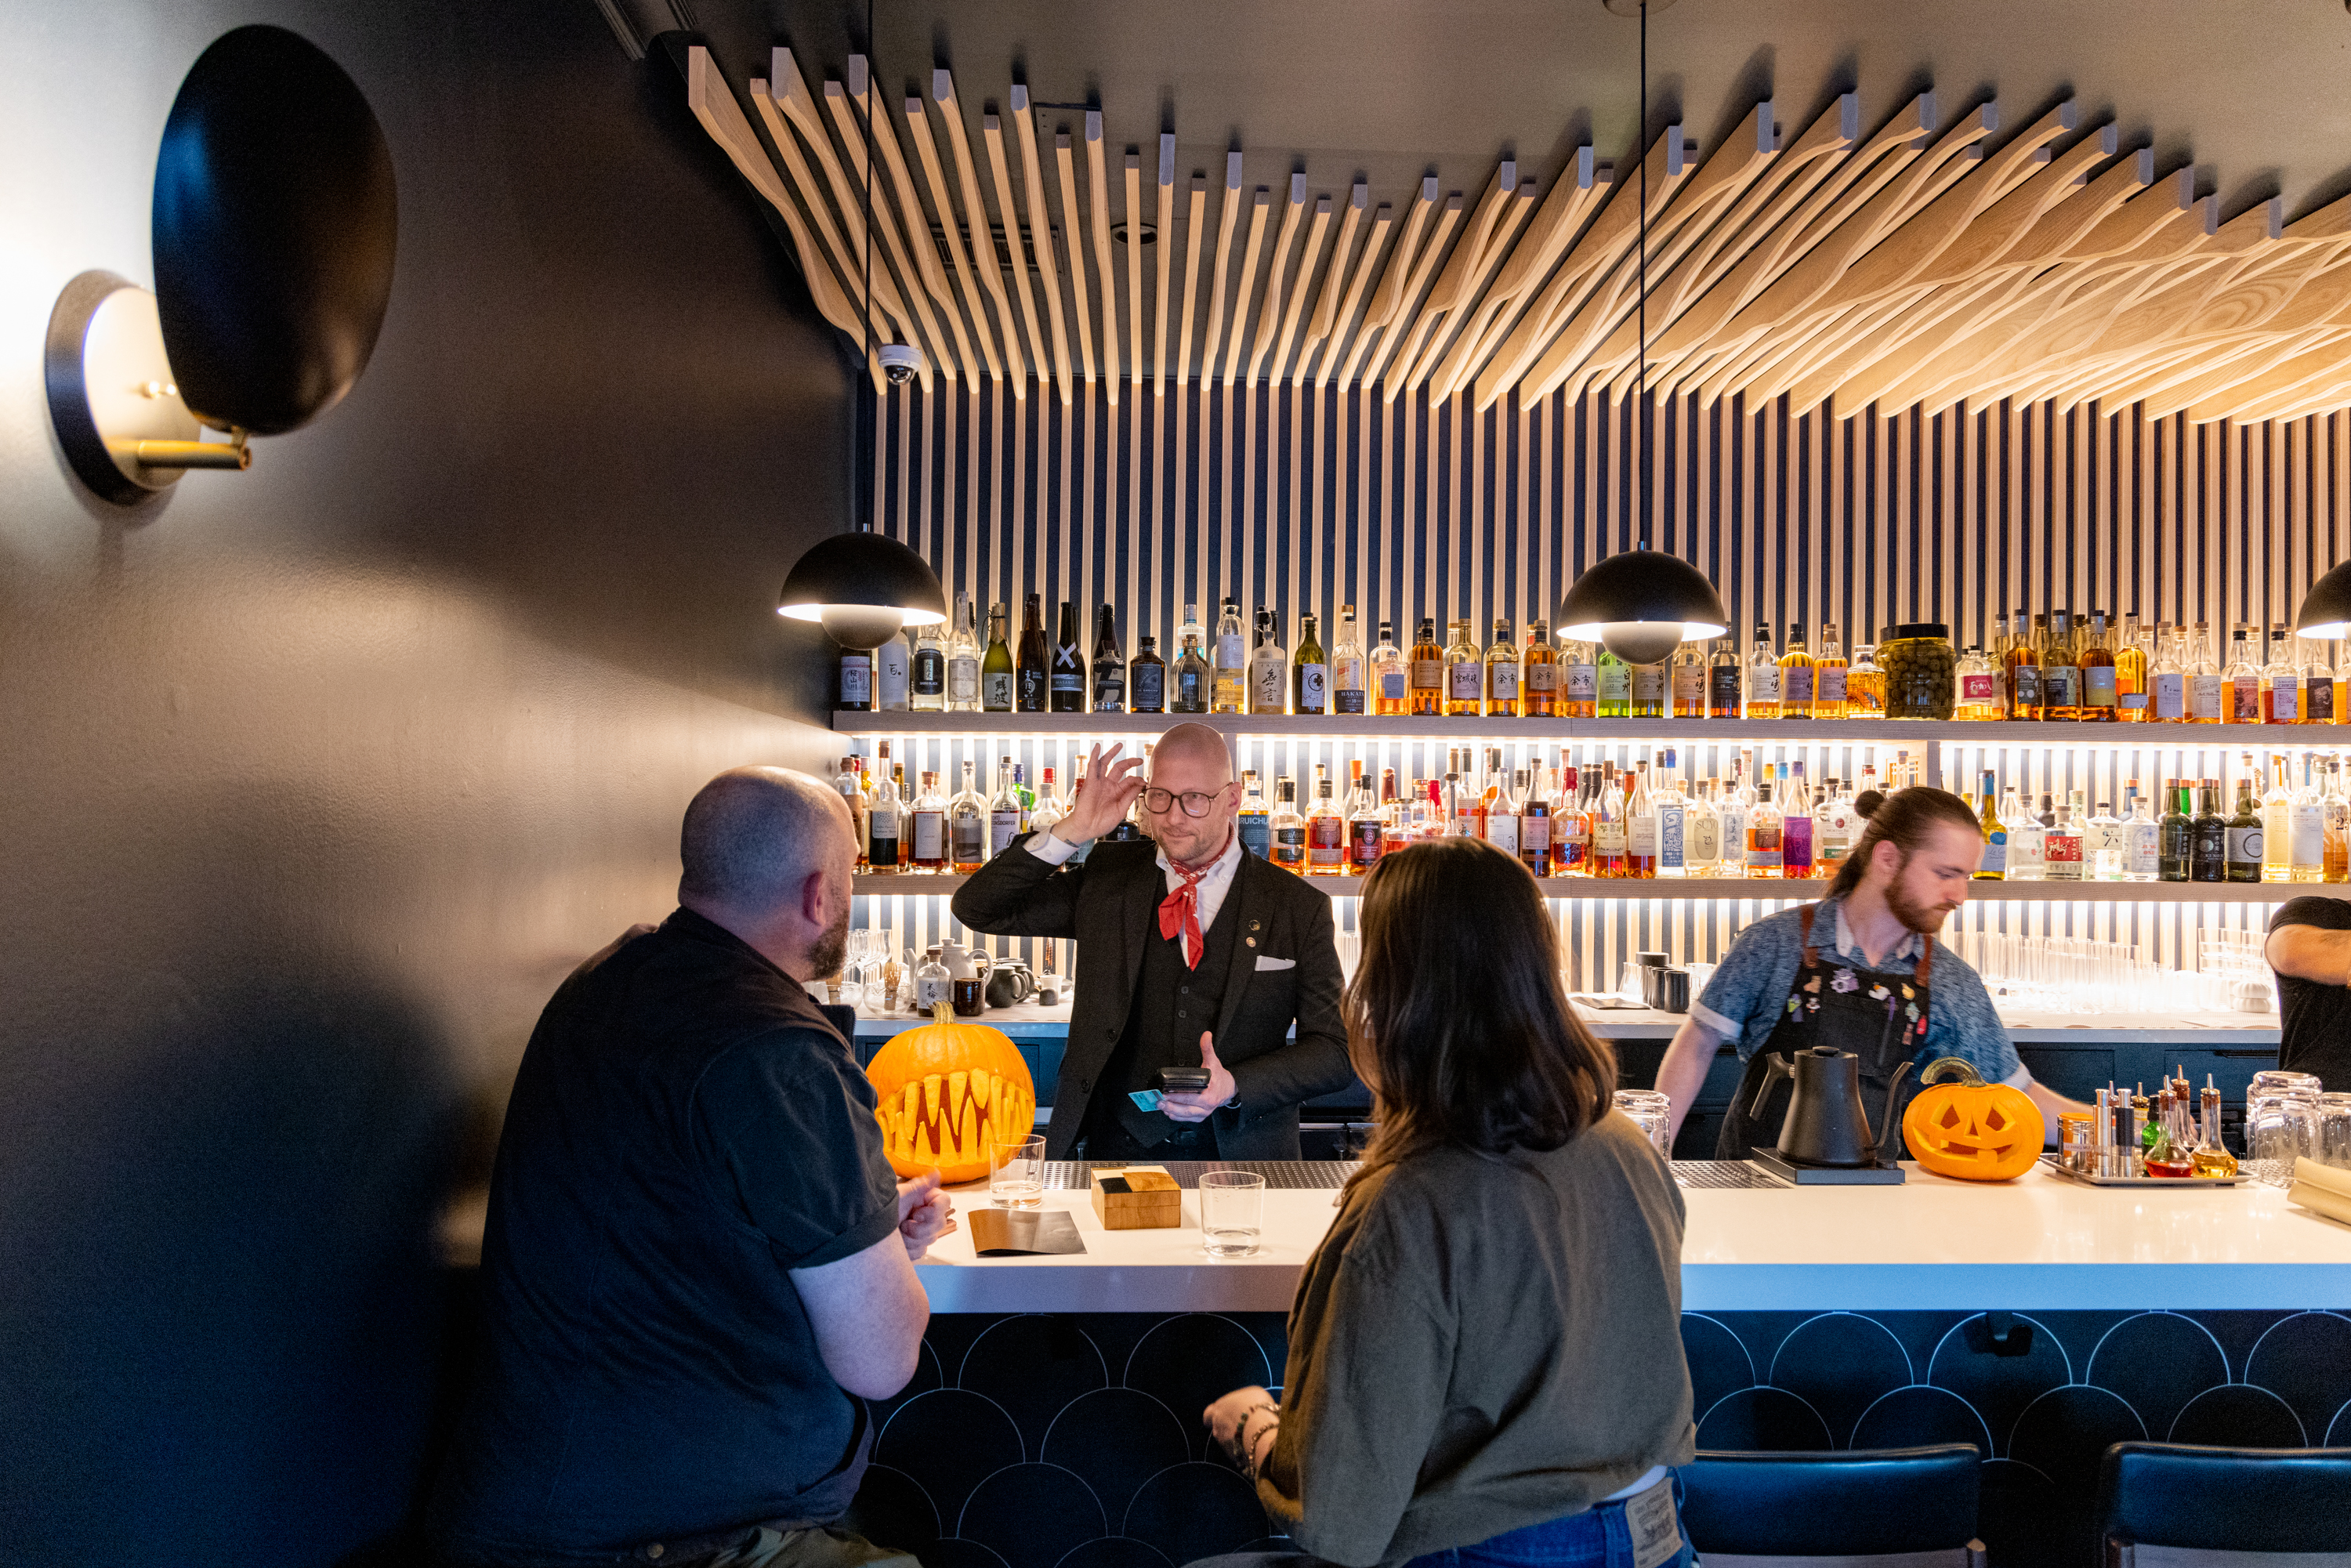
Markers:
point(1825, 1125)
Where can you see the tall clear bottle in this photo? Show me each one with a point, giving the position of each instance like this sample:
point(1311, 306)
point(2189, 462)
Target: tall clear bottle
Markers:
point(2208, 687)
point(1640, 826)
point(967, 825)
point(2167, 681)
point(2028, 840)
point(1763, 678)
point(2142, 839)
point(894, 674)
point(1609, 843)
point(1465, 673)
point(1350, 692)
point(1836, 825)
point(1269, 667)
point(1671, 809)
point(1503, 807)
point(1230, 691)
point(1391, 675)
point(1579, 680)
point(2134, 701)
point(1650, 684)
point(2277, 811)
point(1008, 814)
point(2306, 826)
point(963, 659)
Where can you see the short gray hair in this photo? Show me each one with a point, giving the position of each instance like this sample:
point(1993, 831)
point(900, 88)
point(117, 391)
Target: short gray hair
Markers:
point(753, 834)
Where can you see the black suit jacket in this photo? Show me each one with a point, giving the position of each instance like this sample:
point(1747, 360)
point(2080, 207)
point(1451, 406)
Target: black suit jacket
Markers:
point(1110, 907)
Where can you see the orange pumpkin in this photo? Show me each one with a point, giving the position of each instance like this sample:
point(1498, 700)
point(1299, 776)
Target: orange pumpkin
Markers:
point(1961, 1127)
point(946, 1090)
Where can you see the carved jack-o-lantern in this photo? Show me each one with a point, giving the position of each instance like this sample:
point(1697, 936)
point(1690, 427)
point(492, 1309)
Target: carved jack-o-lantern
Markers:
point(1961, 1127)
point(946, 1090)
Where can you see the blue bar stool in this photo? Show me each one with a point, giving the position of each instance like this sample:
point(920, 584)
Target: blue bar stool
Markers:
point(2171, 1505)
point(1882, 1507)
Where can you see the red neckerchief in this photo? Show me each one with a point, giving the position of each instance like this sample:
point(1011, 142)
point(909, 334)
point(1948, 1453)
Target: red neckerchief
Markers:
point(1180, 910)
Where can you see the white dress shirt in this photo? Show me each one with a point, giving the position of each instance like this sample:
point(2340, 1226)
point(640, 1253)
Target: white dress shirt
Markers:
point(1210, 894)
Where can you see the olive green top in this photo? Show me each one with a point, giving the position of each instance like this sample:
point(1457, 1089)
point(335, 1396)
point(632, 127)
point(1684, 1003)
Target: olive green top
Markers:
point(1482, 1342)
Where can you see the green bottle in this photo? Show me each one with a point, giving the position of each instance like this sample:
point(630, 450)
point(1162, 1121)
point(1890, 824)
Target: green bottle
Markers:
point(1614, 682)
point(996, 667)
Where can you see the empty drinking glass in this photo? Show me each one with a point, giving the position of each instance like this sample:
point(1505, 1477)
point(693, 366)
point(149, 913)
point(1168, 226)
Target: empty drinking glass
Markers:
point(2279, 1130)
point(1016, 1173)
point(1232, 1213)
point(2334, 1130)
point(1652, 1113)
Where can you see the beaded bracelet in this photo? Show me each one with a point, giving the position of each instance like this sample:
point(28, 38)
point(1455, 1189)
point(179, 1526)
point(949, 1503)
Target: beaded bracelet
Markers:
point(1246, 1451)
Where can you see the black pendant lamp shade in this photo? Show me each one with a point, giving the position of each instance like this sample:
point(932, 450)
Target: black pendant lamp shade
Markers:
point(1641, 605)
point(862, 587)
point(2327, 608)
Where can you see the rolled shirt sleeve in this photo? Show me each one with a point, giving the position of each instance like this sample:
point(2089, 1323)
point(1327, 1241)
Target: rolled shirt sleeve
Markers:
point(792, 1143)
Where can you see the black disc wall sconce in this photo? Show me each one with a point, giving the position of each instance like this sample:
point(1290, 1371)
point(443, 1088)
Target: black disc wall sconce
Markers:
point(275, 215)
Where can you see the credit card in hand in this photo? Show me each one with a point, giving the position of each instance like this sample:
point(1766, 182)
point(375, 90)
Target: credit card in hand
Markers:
point(1145, 1099)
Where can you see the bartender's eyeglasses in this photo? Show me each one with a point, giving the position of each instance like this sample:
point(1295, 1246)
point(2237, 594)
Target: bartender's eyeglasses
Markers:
point(1194, 802)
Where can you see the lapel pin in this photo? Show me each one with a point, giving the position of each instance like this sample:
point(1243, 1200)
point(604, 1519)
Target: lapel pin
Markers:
point(1251, 940)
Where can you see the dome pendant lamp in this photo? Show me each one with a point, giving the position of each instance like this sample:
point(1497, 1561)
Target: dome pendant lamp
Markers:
point(1642, 604)
point(2326, 609)
point(863, 586)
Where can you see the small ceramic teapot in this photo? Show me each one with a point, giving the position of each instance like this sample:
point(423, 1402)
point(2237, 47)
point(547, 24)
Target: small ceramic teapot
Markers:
point(964, 963)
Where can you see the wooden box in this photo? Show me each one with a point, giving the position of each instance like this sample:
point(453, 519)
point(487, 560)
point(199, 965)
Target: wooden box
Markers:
point(1138, 1197)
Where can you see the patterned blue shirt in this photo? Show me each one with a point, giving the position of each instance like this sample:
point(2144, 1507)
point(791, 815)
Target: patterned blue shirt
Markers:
point(1744, 1001)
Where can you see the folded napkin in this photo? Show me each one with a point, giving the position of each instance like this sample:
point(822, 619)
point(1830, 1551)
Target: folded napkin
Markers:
point(2323, 1190)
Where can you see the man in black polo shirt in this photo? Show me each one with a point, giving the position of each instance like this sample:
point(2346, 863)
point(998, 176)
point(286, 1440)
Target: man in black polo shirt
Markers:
point(2310, 948)
point(699, 1264)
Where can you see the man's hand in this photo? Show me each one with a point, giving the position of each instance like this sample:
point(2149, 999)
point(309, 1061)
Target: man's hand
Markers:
point(1201, 1106)
point(1223, 1418)
point(1110, 785)
point(924, 1213)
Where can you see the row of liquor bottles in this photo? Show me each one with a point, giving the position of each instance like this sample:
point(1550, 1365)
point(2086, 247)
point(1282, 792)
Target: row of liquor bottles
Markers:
point(2045, 667)
point(1648, 821)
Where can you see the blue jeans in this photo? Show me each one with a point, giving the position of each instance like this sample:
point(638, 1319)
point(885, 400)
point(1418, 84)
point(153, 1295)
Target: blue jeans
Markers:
point(1596, 1538)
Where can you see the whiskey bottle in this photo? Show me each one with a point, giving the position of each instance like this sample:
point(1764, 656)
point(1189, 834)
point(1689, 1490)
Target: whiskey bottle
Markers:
point(1230, 690)
point(2101, 690)
point(2023, 671)
point(2281, 681)
point(2244, 678)
point(1146, 677)
point(1254, 821)
point(1534, 822)
point(1427, 699)
point(2061, 677)
point(928, 838)
point(1610, 845)
point(1686, 686)
point(1829, 675)
point(1614, 685)
point(2167, 681)
point(1008, 814)
point(2133, 699)
point(1326, 834)
point(1795, 676)
point(1502, 809)
point(883, 817)
point(1391, 675)
point(1722, 680)
point(2208, 687)
point(1579, 681)
point(1464, 674)
point(1650, 684)
point(1539, 672)
point(1286, 829)
point(1763, 854)
point(1503, 673)
point(1348, 692)
point(1365, 826)
point(856, 680)
point(1109, 665)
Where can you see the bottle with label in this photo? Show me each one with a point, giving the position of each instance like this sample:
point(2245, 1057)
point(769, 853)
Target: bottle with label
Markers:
point(1391, 675)
point(1702, 834)
point(2244, 680)
point(1534, 820)
point(1571, 824)
point(2028, 840)
point(1993, 866)
point(894, 675)
point(1829, 675)
point(1502, 809)
point(1195, 678)
point(1795, 676)
point(2023, 669)
point(1349, 693)
point(927, 841)
point(1109, 665)
point(1254, 821)
point(1008, 814)
point(963, 659)
point(884, 816)
point(1036, 675)
point(2208, 688)
point(1503, 673)
point(2142, 839)
point(2061, 676)
point(1310, 672)
point(967, 826)
point(2174, 834)
point(933, 985)
point(1762, 681)
point(1326, 834)
point(1367, 819)
point(1614, 685)
point(1669, 807)
point(2209, 841)
point(1146, 677)
point(1650, 684)
point(2167, 682)
point(2133, 701)
point(1865, 684)
point(1609, 840)
point(2335, 853)
point(1427, 672)
point(1686, 682)
point(2106, 848)
point(856, 680)
point(1641, 826)
point(1579, 680)
point(2317, 662)
point(1835, 824)
point(1722, 679)
point(851, 784)
point(1539, 673)
point(1046, 808)
point(1732, 804)
point(928, 682)
point(1228, 689)
point(2275, 805)
point(1287, 828)
point(995, 676)
point(2281, 681)
point(1464, 674)
point(2063, 847)
point(2244, 840)
point(1268, 677)
point(1796, 824)
point(2096, 661)
point(2306, 827)
point(1068, 679)
point(1764, 855)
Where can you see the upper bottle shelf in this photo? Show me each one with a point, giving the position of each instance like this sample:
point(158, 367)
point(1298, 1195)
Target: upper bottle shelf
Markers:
point(1828, 732)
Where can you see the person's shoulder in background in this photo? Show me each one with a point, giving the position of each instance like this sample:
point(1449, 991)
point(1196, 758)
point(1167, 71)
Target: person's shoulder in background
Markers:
point(2326, 913)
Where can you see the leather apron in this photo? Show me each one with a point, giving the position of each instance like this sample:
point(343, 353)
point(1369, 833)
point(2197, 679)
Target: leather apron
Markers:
point(1880, 1016)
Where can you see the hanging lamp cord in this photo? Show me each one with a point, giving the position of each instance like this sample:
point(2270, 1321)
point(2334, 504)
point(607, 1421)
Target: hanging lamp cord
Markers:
point(1641, 275)
point(865, 372)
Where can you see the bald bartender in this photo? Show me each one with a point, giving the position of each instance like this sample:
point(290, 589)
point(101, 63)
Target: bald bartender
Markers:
point(1192, 953)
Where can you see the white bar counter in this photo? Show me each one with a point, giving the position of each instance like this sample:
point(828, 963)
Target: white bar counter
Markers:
point(2041, 1242)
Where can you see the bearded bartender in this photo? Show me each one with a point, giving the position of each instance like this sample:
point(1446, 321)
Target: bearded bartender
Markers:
point(1859, 971)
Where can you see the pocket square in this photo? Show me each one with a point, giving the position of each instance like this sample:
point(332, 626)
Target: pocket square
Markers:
point(1264, 963)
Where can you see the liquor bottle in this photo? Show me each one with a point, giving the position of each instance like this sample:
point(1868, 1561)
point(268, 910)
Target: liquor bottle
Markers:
point(1795, 827)
point(1269, 676)
point(1613, 685)
point(1503, 673)
point(1067, 682)
point(1764, 855)
point(1669, 809)
point(856, 680)
point(2281, 681)
point(1146, 677)
point(2276, 807)
point(1391, 675)
point(1864, 684)
point(1609, 840)
point(2048, 811)
point(1722, 680)
point(1036, 659)
point(1640, 826)
point(1539, 672)
point(1829, 675)
point(1993, 866)
point(1978, 682)
point(2063, 847)
point(1763, 680)
point(2306, 827)
point(1046, 809)
point(1349, 693)
point(1732, 804)
point(1534, 822)
point(2028, 840)
point(2167, 682)
point(2208, 848)
point(2176, 840)
point(894, 674)
point(2023, 669)
point(2208, 688)
point(1008, 814)
point(1428, 662)
point(1326, 835)
point(1254, 821)
point(1195, 679)
point(967, 826)
point(1364, 825)
point(1464, 674)
point(963, 659)
point(1649, 687)
point(2244, 842)
point(2132, 699)
point(1686, 691)
point(1228, 688)
point(2244, 681)
point(2061, 676)
point(1109, 665)
point(995, 676)
point(2096, 661)
point(1702, 834)
point(1795, 676)
point(927, 683)
point(2103, 854)
point(1310, 672)
point(2317, 662)
point(1579, 680)
point(1286, 828)
point(852, 788)
point(1835, 822)
point(884, 817)
point(1571, 824)
point(927, 840)
point(2340, 696)
point(1502, 809)
point(2335, 859)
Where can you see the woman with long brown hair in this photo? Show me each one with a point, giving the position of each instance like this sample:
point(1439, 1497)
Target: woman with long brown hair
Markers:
point(1485, 1352)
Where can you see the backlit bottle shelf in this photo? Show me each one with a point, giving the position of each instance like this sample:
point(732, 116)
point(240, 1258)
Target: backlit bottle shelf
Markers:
point(917, 884)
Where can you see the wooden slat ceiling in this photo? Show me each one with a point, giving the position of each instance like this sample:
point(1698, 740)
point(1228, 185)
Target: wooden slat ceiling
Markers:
point(1936, 259)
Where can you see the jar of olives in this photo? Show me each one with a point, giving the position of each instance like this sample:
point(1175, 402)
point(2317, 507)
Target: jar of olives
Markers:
point(1921, 671)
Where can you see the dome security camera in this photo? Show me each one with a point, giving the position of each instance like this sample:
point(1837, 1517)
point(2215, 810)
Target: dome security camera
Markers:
point(901, 362)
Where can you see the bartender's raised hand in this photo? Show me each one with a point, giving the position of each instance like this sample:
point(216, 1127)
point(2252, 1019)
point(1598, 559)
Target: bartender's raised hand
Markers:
point(1110, 785)
point(1221, 1087)
point(924, 1213)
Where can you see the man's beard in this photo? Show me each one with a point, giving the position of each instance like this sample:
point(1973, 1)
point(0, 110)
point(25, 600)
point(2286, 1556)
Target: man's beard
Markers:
point(1924, 918)
point(825, 957)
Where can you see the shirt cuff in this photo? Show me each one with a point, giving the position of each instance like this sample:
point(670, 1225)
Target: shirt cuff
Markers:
point(2020, 1079)
point(1050, 850)
point(1714, 1022)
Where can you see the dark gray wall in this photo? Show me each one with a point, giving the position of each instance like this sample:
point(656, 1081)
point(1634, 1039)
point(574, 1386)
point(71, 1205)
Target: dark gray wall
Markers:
point(314, 781)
